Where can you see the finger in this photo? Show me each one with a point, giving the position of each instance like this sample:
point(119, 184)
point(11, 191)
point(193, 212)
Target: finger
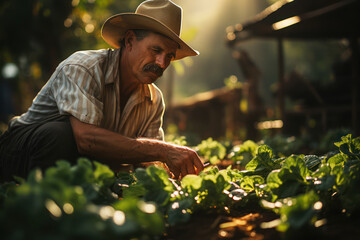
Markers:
point(171, 174)
point(198, 164)
point(176, 174)
point(174, 170)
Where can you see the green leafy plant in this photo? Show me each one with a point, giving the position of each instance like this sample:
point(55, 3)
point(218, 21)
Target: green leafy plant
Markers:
point(242, 154)
point(88, 200)
point(212, 150)
point(70, 202)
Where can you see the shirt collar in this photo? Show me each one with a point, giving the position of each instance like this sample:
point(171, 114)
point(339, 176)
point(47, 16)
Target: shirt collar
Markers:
point(148, 92)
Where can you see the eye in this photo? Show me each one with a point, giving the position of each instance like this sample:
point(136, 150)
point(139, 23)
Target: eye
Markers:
point(170, 56)
point(156, 50)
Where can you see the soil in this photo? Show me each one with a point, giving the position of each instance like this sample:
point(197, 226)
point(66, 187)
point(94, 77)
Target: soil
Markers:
point(244, 226)
point(248, 226)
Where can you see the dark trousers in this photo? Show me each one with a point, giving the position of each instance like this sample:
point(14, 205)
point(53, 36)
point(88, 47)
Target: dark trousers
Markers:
point(40, 145)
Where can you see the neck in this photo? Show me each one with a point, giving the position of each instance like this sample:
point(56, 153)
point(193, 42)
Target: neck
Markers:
point(128, 83)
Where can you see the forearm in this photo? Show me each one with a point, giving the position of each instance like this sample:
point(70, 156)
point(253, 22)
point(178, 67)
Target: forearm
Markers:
point(113, 148)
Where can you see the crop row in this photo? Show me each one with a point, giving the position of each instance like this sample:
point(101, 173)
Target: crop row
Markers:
point(88, 200)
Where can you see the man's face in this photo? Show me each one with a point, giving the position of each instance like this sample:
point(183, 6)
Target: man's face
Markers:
point(150, 56)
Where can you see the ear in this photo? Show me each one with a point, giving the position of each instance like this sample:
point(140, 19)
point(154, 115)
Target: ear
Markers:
point(129, 39)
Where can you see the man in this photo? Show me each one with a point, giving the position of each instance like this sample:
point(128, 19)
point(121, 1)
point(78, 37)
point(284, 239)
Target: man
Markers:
point(103, 104)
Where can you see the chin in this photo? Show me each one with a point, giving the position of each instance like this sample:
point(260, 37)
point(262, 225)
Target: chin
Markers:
point(149, 80)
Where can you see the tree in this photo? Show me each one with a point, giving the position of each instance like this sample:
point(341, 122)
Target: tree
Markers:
point(36, 35)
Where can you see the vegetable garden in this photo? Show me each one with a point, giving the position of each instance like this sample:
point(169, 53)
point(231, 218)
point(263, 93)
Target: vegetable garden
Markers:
point(249, 191)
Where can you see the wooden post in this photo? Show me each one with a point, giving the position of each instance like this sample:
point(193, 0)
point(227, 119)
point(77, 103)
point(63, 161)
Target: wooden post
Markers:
point(355, 85)
point(168, 95)
point(281, 75)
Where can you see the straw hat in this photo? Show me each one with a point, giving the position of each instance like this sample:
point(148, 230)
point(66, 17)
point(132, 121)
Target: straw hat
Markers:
point(161, 16)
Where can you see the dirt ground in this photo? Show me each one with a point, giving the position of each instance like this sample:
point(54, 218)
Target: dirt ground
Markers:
point(248, 226)
point(243, 226)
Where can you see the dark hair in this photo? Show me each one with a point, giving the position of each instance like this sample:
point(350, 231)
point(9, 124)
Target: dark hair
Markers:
point(139, 33)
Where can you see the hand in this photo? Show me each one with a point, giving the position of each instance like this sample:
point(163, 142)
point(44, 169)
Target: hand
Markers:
point(182, 160)
point(114, 149)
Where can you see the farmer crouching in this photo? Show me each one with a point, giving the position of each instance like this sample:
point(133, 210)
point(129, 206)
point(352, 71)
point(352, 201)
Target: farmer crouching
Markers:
point(102, 104)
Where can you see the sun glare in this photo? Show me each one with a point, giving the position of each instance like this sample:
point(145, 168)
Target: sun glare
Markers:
point(286, 23)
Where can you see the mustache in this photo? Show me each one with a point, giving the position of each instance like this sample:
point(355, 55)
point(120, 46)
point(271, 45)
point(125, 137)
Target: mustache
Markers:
point(151, 67)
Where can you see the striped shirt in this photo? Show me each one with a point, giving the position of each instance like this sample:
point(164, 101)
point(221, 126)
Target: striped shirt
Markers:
point(86, 86)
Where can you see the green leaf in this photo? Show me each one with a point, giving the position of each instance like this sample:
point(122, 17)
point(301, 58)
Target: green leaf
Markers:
point(349, 146)
point(179, 211)
point(155, 180)
point(262, 160)
point(143, 216)
point(211, 150)
point(299, 211)
point(323, 171)
point(337, 160)
point(82, 173)
point(191, 182)
point(242, 154)
point(290, 179)
point(312, 162)
point(265, 154)
point(221, 183)
point(102, 172)
point(273, 180)
point(249, 183)
point(35, 176)
point(325, 183)
point(134, 191)
point(297, 166)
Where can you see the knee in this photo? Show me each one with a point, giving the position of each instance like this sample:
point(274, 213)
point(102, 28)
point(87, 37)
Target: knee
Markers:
point(53, 141)
point(53, 133)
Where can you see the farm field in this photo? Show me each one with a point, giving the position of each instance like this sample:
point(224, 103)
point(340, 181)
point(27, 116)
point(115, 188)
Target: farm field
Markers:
point(249, 191)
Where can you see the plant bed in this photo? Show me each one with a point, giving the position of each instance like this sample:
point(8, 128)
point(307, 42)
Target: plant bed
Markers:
point(261, 196)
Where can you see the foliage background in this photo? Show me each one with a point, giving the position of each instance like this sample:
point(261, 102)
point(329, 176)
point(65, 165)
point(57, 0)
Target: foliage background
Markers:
point(36, 35)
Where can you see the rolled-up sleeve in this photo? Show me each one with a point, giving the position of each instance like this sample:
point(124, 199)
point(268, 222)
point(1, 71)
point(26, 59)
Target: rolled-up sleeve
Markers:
point(77, 93)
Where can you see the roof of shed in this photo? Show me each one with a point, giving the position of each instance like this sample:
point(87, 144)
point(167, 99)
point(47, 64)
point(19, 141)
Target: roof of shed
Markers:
point(301, 19)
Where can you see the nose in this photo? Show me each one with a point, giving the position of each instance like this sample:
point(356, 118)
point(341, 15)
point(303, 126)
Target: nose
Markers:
point(161, 61)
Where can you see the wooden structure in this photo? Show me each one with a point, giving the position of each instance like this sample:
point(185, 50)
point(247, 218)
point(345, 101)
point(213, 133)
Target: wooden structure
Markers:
point(213, 114)
point(307, 19)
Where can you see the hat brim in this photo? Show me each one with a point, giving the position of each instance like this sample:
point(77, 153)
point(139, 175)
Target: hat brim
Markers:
point(115, 27)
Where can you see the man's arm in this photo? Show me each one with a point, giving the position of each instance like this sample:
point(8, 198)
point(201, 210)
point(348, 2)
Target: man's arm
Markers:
point(115, 149)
